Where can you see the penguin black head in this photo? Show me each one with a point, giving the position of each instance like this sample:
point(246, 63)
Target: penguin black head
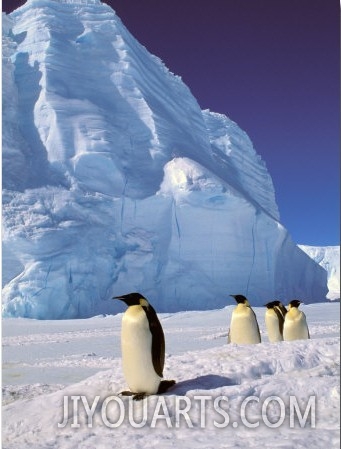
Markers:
point(295, 303)
point(272, 304)
point(240, 299)
point(133, 299)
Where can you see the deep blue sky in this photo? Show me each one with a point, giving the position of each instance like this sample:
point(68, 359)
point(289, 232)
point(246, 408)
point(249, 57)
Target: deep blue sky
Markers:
point(272, 66)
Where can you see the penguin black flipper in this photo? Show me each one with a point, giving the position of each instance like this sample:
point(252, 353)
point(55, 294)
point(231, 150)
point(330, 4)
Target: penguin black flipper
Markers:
point(256, 321)
point(281, 308)
point(280, 319)
point(158, 340)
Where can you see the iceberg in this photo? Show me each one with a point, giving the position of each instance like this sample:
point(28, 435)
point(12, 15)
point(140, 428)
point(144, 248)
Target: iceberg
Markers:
point(115, 180)
point(329, 258)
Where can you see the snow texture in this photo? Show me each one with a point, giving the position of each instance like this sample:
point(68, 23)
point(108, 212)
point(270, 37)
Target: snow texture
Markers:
point(44, 361)
point(116, 181)
point(329, 258)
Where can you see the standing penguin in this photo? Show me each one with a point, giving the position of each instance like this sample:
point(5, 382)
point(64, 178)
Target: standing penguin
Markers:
point(274, 320)
point(295, 323)
point(143, 348)
point(244, 327)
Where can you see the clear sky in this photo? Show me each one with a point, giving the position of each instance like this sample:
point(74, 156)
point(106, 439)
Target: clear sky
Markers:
point(272, 66)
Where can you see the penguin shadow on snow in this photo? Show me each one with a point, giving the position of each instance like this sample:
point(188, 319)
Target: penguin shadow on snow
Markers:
point(206, 382)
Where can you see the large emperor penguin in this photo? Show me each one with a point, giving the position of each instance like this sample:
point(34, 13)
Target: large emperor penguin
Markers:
point(143, 348)
point(244, 326)
point(295, 323)
point(274, 320)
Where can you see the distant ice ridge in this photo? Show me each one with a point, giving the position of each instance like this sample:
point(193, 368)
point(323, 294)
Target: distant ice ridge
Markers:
point(77, 2)
point(115, 180)
point(329, 258)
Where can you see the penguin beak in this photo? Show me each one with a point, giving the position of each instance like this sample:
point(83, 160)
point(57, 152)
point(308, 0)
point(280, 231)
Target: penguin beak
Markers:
point(122, 298)
point(130, 299)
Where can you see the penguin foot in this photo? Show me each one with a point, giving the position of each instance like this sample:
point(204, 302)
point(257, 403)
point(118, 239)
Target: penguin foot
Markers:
point(126, 393)
point(165, 385)
point(139, 396)
point(136, 396)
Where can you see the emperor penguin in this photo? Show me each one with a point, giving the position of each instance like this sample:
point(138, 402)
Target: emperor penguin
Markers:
point(274, 320)
point(244, 326)
point(295, 323)
point(143, 348)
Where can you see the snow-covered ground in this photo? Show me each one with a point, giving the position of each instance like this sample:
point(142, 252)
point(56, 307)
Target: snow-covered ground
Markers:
point(279, 395)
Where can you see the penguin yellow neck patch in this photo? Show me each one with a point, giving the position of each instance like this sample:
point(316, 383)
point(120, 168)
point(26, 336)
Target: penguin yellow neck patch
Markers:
point(144, 302)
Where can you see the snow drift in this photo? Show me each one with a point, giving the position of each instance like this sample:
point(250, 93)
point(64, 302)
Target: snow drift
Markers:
point(115, 180)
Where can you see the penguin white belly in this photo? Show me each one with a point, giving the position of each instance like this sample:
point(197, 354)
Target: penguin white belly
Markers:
point(244, 328)
point(295, 326)
point(136, 341)
point(272, 326)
